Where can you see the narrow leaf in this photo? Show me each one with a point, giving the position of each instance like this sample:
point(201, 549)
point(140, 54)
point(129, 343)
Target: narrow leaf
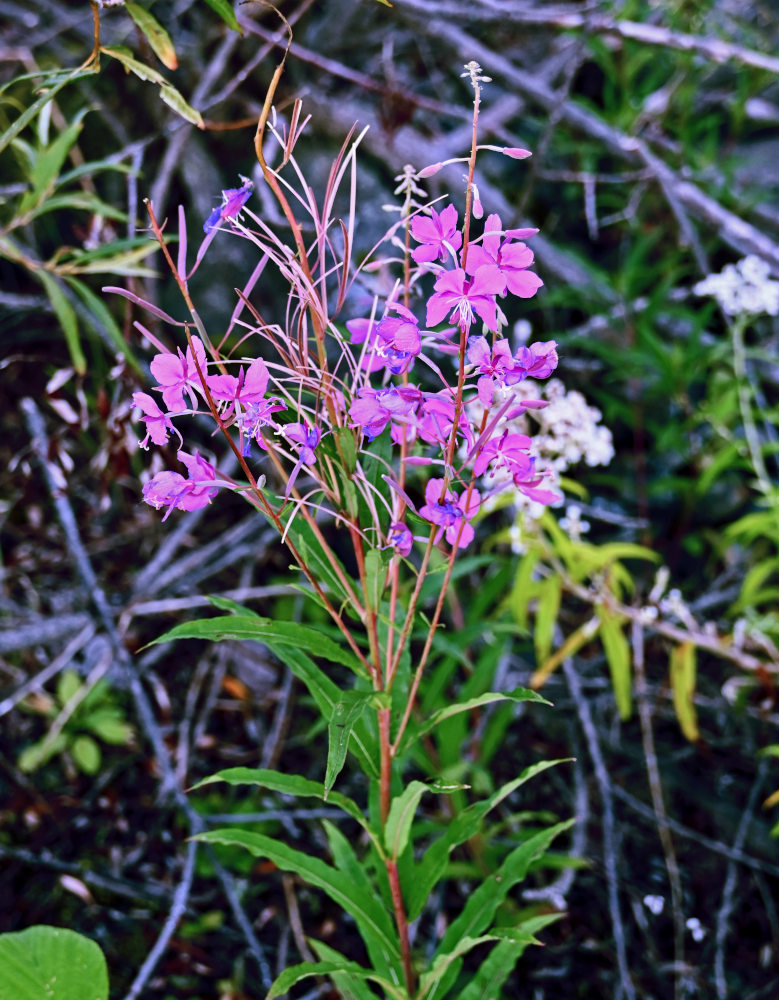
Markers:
point(156, 35)
point(546, 616)
point(168, 92)
point(683, 676)
point(518, 694)
point(226, 12)
point(617, 650)
point(67, 318)
point(346, 712)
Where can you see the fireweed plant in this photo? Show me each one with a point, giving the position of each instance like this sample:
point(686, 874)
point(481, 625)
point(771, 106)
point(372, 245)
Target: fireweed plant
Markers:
point(375, 431)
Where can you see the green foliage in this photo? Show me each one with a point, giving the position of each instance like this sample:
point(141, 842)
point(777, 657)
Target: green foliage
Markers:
point(51, 962)
point(80, 714)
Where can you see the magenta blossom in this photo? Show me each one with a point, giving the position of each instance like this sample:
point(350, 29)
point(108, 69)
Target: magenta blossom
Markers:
point(528, 482)
point(436, 418)
point(509, 451)
point(512, 259)
point(233, 200)
point(157, 421)
point(306, 438)
point(438, 235)
point(460, 297)
point(537, 361)
point(256, 416)
point(178, 373)
point(398, 339)
point(494, 364)
point(249, 386)
point(362, 330)
point(375, 408)
point(400, 538)
point(452, 513)
point(171, 489)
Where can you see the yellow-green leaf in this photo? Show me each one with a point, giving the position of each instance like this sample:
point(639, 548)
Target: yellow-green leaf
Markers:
point(683, 674)
point(67, 317)
point(617, 651)
point(168, 92)
point(156, 35)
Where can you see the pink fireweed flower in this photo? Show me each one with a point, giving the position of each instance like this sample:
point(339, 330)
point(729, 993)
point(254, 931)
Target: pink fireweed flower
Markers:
point(256, 416)
point(438, 235)
point(512, 259)
point(527, 481)
point(171, 489)
point(248, 387)
point(158, 423)
point(306, 438)
point(375, 408)
point(459, 297)
point(509, 451)
point(233, 200)
point(451, 514)
point(398, 339)
point(400, 538)
point(362, 330)
point(537, 361)
point(436, 418)
point(494, 364)
point(178, 373)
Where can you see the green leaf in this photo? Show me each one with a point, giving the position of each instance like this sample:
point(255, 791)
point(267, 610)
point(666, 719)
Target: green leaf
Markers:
point(401, 816)
point(347, 863)
point(68, 684)
point(86, 754)
point(346, 712)
point(549, 593)
point(51, 963)
point(104, 319)
point(226, 12)
point(67, 318)
point(285, 784)
point(464, 826)
point(157, 36)
point(350, 987)
point(442, 962)
point(482, 904)
point(374, 579)
point(276, 635)
point(518, 694)
point(109, 725)
point(295, 973)
point(683, 671)
point(35, 756)
point(55, 84)
point(168, 92)
point(321, 875)
point(617, 650)
point(48, 163)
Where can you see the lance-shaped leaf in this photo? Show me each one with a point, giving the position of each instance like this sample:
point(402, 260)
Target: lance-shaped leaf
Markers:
point(66, 315)
point(168, 92)
point(156, 35)
point(499, 964)
point(683, 671)
point(350, 987)
point(371, 920)
point(305, 970)
point(518, 694)
point(617, 651)
point(464, 826)
point(346, 712)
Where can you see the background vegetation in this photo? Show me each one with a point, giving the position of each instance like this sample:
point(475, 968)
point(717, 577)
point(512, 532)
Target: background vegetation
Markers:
point(654, 132)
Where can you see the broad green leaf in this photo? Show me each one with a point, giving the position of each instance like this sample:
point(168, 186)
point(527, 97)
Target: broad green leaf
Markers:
point(68, 683)
point(683, 671)
point(156, 35)
point(547, 609)
point(321, 875)
point(285, 784)
point(617, 650)
point(226, 12)
point(346, 712)
point(52, 963)
point(464, 826)
point(168, 93)
point(102, 316)
point(67, 318)
point(86, 754)
point(276, 635)
point(109, 725)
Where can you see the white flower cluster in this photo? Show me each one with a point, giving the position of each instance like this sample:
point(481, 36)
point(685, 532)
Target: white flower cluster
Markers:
point(743, 289)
